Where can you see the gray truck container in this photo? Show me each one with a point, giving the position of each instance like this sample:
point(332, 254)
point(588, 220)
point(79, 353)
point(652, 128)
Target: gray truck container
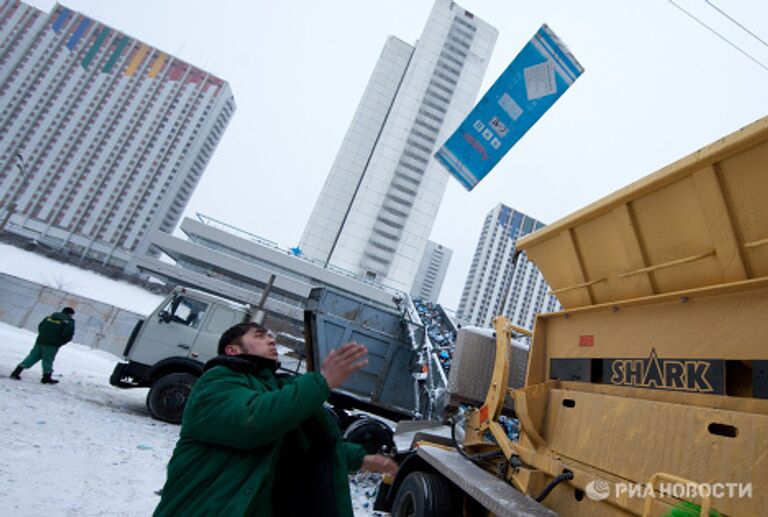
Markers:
point(386, 386)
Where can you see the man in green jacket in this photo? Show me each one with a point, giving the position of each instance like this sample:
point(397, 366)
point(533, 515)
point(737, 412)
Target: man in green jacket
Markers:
point(257, 443)
point(53, 332)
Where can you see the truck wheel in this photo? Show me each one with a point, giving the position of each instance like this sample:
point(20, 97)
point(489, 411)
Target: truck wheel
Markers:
point(168, 395)
point(374, 435)
point(342, 416)
point(425, 495)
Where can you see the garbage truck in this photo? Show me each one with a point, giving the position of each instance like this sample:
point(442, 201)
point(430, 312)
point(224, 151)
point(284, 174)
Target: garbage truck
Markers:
point(166, 352)
point(647, 394)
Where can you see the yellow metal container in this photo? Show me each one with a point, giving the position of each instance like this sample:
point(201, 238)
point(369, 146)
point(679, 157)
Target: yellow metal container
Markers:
point(701, 221)
point(657, 369)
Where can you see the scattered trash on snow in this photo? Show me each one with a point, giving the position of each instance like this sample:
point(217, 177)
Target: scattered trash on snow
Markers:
point(363, 487)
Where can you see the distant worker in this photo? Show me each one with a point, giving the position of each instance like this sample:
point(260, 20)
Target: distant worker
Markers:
point(53, 332)
point(254, 442)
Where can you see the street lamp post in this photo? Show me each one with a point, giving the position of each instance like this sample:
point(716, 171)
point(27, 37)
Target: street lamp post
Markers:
point(12, 205)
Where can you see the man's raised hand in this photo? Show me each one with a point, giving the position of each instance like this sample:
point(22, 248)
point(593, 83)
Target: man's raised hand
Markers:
point(343, 362)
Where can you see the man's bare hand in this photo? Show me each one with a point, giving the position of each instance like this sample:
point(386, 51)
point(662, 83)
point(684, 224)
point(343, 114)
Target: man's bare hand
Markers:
point(379, 463)
point(343, 362)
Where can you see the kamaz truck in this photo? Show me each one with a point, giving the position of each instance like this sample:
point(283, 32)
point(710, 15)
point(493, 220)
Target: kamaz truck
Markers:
point(167, 351)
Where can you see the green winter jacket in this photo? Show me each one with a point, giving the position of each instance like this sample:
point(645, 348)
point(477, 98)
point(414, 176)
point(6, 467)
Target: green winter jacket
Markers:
point(56, 329)
point(240, 421)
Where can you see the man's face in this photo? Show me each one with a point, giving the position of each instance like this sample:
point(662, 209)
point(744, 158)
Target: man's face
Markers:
point(257, 343)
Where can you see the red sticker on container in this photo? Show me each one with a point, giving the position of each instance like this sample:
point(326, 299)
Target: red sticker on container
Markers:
point(586, 340)
point(483, 413)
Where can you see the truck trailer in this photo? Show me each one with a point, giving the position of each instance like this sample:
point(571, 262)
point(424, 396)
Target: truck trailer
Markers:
point(648, 393)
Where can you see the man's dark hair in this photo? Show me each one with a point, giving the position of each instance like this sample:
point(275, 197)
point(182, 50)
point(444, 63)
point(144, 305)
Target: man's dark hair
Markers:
point(233, 335)
point(68, 310)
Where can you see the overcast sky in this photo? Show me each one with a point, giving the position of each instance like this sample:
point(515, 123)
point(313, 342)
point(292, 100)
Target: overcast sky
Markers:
point(656, 87)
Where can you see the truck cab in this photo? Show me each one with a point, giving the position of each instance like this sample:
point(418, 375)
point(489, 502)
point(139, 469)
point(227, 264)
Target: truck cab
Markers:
point(167, 350)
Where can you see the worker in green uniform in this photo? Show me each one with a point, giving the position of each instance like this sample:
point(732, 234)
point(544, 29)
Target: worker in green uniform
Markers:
point(257, 443)
point(52, 332)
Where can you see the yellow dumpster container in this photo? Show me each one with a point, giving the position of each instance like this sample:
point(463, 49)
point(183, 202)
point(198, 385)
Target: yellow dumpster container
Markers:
point(657, 370)
point(701, 221)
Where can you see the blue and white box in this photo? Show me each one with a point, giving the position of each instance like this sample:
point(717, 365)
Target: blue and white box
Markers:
point(529, 86)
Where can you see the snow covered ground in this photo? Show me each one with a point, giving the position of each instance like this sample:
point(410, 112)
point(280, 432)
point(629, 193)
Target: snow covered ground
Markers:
point(83, 447)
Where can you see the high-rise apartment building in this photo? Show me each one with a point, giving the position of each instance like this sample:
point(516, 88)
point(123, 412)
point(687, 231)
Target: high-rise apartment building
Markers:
point(498, 283)
point(113, 134)
point(376, 210)
point(431, 273)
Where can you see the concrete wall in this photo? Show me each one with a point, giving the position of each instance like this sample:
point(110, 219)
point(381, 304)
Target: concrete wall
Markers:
point(97, 324)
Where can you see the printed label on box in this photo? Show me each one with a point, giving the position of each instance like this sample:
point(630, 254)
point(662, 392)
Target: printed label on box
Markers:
point(540, 80)
point(499, 126)
point(509, 105)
